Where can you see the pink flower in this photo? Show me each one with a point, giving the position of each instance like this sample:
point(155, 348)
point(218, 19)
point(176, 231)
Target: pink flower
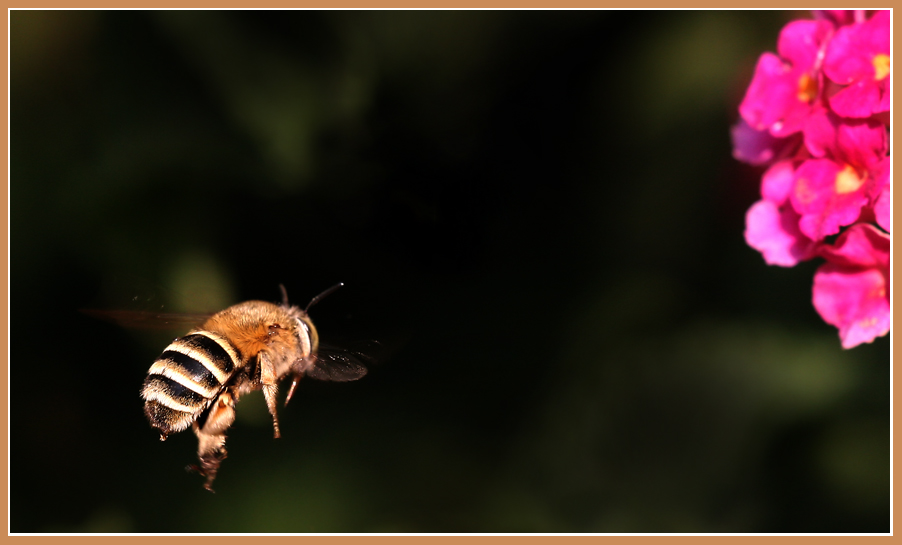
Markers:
point(858, 57)
point(785, 87)
point(851, 291)
point(772, 225)
point(818, 115)
point(828, 197)
point(832, 192)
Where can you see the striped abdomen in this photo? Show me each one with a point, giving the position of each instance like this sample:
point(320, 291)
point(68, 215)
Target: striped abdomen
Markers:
point(186, 378)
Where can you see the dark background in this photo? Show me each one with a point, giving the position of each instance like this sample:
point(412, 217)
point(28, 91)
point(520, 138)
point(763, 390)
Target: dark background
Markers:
point(536, 215)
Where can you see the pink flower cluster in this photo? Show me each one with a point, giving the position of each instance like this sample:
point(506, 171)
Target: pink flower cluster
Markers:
point(817, 115)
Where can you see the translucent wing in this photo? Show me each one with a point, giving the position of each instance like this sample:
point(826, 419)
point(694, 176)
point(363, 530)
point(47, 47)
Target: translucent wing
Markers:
point(148, 320)
point(338, 365)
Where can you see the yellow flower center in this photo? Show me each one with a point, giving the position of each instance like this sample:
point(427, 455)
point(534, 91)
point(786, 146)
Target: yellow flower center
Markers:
point(847, 181)
point(807, 88)
point(881, 66)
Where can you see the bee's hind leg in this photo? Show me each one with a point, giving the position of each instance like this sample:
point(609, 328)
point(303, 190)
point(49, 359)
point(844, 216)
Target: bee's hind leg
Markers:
point(209, 465)
point(211, 437)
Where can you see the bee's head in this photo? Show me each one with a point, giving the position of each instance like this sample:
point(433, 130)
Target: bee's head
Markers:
point(306, 331)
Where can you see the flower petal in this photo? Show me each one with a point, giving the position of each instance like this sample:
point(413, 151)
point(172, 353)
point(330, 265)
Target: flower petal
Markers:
point(778, 181)
point(800, 42)
point(770, 94)
point(856, 301)
point(860, 99)
point(861, 245)
point(753, 146)
point(859, 142)
point(882, 209)
point(774, 231)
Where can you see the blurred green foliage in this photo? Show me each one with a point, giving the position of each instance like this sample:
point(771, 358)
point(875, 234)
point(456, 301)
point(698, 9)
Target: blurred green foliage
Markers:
point(535, 213)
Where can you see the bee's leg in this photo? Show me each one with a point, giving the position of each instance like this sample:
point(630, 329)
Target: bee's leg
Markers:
point(270, 390)
point(298, 369)
point(210, 460)
point(294, 384)
point(211, 437)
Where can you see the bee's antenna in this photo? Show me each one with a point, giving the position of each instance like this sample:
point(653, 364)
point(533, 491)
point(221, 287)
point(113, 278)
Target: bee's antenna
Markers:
point(319, 297)
point(284, 295)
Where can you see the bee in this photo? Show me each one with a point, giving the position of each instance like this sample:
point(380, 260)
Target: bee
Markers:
point(199, 378)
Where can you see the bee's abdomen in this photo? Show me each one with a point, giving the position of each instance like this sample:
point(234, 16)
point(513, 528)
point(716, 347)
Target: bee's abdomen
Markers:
point(186, 377)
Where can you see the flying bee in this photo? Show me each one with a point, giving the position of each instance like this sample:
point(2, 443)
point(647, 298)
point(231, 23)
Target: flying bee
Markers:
point(199, 378)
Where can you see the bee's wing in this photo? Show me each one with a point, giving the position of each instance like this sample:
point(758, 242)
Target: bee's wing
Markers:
point(148, 320)
point(337, 365)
